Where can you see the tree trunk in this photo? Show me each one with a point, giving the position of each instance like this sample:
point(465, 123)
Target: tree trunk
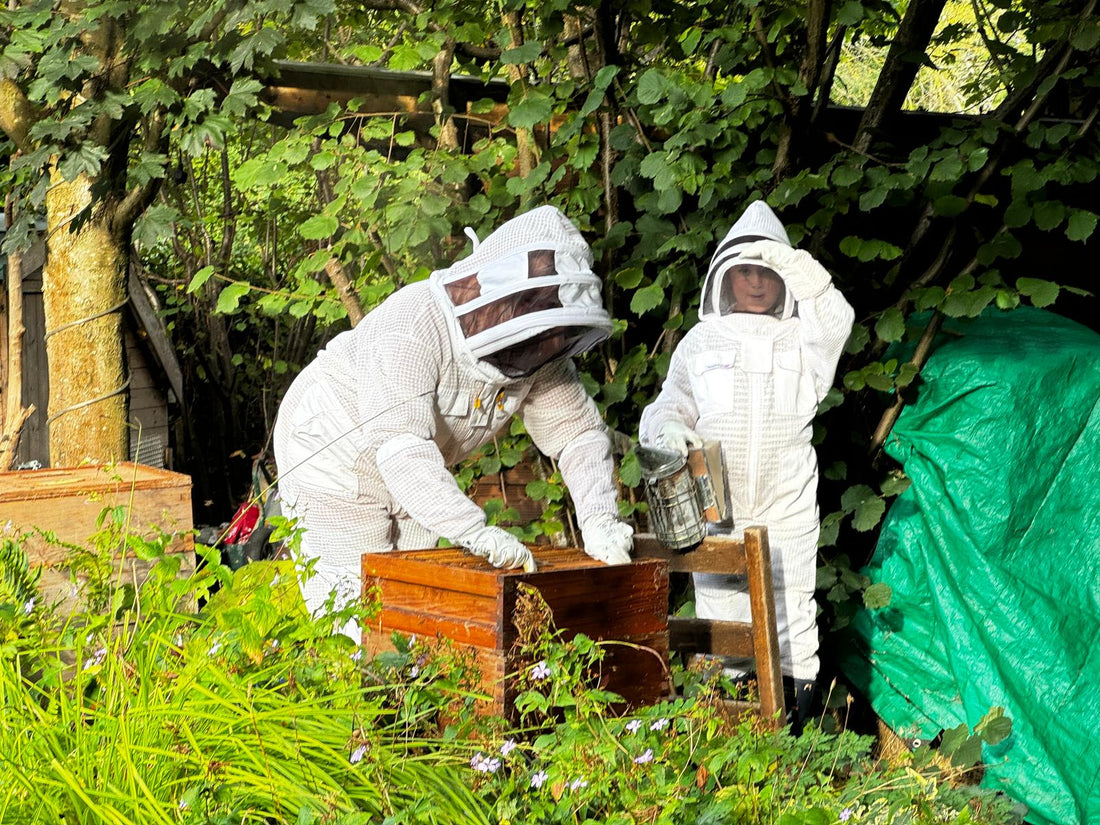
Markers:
point(84, 295)
point(900, 69)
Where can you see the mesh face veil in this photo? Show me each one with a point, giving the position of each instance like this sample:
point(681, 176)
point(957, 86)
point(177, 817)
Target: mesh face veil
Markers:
point(734, 284)
point(751, 287)
point(527, 294)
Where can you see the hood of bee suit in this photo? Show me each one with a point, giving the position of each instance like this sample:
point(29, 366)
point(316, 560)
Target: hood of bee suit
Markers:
point(757, 223)
point(531, 276)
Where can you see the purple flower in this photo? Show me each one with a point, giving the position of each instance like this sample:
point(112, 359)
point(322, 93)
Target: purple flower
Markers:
point(633, 725)
point(484, 764)
point(645, 757)
point(358, 754)
point(97, 658)
point(538, 779)
point(846, 814)
point(578, 783)
point(540, 671)
point(508, 746)
point(660, 724)
point(214, 648)
point(357, 656)
point(28, 608)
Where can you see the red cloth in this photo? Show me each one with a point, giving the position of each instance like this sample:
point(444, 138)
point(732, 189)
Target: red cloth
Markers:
point(242, 524)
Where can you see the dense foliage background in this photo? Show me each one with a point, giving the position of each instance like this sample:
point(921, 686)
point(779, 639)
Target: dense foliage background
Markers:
point(652, 124)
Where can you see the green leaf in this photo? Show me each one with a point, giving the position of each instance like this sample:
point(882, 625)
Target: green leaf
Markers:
point(877, 596)
point(522, 54)
point(630, 277)
point(1049, 214)
point(630, 470)
point(1042, 293)
point(200, 278)
point(229, 299)
point(868, 514)
point(535, 108)
point(318, 227)
point(489, 465)
point(850, 13)
point(652, 87)
point(994, 727)
point(655, 165)
point(647, 298)
point(948, 206)
point(1081, 225)
point(242, 96)
point(891, 325)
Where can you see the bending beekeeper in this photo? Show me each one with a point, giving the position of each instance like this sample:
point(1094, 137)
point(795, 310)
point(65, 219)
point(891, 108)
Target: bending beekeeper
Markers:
point(366, 433)
point(750, 375)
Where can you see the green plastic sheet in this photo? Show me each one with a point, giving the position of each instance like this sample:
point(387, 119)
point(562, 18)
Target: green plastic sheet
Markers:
point(993, 558)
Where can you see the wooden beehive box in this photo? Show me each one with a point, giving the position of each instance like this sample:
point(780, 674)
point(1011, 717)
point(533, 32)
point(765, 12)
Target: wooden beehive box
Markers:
point(450, 594)
point(67, 502)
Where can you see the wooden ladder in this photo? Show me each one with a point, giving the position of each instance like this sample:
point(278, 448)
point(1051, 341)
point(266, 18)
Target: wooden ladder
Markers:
point(757, 639)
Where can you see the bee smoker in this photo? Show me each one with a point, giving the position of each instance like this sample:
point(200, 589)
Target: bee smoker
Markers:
point(684, 494)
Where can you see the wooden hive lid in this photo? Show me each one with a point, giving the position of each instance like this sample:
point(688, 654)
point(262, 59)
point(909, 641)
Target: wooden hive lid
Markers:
point(59, 482)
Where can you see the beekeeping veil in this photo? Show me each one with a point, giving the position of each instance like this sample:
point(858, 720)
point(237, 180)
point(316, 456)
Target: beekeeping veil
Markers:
point(757, 223)
point(526, 295)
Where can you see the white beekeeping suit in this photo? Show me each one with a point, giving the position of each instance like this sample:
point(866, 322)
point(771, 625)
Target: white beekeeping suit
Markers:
point(751, 378)
point(368, 430)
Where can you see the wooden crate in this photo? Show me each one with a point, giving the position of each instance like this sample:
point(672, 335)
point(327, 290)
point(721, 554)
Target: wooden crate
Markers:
point(68, 501)
point(450, 594)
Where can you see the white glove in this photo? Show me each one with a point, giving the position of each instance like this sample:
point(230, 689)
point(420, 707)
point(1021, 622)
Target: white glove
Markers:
point(676, 436)
point(804, 276)
point(498, 547)
point(607, 539)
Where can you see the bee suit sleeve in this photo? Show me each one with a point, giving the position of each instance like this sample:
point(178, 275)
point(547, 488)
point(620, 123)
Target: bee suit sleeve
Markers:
point(403, 369)
point(565, 424)
point(826, 316)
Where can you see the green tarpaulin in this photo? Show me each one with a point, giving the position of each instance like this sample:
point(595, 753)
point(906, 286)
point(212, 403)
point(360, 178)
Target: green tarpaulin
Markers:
point(993, 557)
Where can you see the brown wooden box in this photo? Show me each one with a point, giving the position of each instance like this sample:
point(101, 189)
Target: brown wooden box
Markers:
point(68, 501)
point(450, 594)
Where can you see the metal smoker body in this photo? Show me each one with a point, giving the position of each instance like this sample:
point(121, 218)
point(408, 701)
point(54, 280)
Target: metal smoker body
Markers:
point(683, 493)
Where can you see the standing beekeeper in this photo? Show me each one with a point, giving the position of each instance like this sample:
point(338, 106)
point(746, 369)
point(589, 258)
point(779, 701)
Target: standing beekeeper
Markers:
point(367, 432)
point(750, 375)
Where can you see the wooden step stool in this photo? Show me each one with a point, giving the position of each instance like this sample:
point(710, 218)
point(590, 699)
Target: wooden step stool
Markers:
point(758, 639)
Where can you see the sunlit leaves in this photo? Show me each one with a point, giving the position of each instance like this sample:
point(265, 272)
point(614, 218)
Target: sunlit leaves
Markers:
point(229, 298)
point(319, 227)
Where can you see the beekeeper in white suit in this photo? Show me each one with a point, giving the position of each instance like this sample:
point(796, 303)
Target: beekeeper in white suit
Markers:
point(750, 375)
point(367, 432)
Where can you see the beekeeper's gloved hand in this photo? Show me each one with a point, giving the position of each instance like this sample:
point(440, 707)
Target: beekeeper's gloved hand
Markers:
point(804, 276)
point(607, 539)
point(498, 547)
point(676, 436)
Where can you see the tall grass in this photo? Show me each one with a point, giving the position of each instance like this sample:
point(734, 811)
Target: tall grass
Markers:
point(243, 711)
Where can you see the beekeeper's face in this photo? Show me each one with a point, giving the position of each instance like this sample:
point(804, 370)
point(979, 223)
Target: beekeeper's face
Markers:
point(754, 288)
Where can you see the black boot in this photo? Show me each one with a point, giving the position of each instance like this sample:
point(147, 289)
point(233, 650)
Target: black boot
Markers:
point(799, 695)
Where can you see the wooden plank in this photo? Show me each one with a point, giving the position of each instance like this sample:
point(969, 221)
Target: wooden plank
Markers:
point(691, 635)
point(765, 635)
point(439, 601)
point(715, 554)
point(408, 622)
point(406, 567)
